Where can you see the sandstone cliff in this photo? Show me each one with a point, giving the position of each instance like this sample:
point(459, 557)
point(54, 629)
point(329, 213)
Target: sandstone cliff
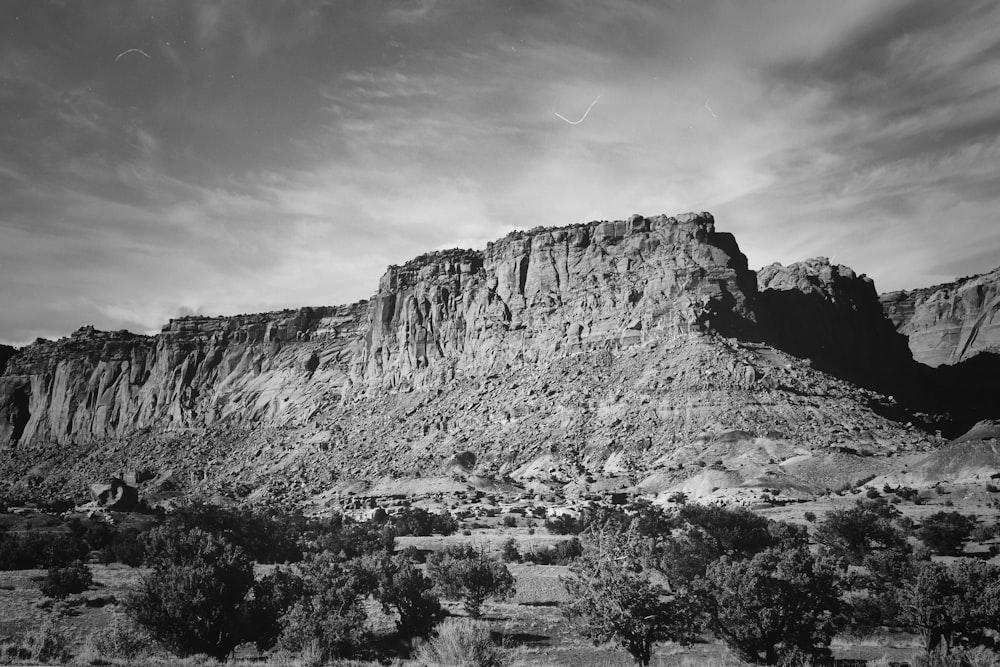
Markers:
point(829, 314)
point(949, 323)
point(607, 348)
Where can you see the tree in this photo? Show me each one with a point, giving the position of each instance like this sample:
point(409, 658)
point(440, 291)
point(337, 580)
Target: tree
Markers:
point(851, 534)
point(461, 572)
point(616, 598)
point(201, 595)
point(61, 582)
point(944, 533)
point(330, 611)
point(778, 603)
point(402, 588)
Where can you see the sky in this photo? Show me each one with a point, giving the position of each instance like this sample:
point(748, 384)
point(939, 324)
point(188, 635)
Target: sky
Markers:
point(175, 157)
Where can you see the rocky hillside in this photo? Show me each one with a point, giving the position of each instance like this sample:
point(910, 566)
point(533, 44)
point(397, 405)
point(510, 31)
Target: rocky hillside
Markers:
point(641, 351)
point(949, 323)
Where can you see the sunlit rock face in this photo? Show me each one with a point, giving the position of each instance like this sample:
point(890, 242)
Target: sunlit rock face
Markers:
point(949, 323)
point(546, 292)
point(271, 367)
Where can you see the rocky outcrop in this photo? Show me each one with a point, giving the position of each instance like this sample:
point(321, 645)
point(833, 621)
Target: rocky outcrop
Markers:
point(6, 352)
point(949, 323)
point(93, 385)
point(829, 314)
point(552, 291)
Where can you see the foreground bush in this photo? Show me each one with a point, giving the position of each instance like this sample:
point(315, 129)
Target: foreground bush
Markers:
point(201, 596)
point(119, 641)
point(26, 551)
point(403, 589)
point(48, 643)
point(778, 604)
point(462, 642)
point(616, 599)
point(944, 533)
point(471, 575)
point(61, 582)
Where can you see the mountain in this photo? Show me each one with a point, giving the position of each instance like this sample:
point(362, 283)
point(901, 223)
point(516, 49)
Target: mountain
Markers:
point(640, 353)
point(949, 323)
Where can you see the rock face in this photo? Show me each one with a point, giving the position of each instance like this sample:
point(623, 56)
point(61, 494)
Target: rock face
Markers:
point(548, 292)
point(95, 385)
point(949, 323)
point(829, 314)
point(606, 348)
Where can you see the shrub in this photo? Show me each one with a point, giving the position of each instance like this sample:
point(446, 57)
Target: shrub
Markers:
point(562, 553)
point(329, 616)
point(461, 572)
point(125, 547)
point(510, 521)
point(119, 641)
point(25, 551)
point(616, 599)
point(779, 602)
point(61, 582)
point(403, 589)
point(564, 524)
point(48, 643)
point(809, 516)
point(201, 596)
point(945, 532)
point(852, 533)
point(420, 522)
point(509, 552)
point(461, 641)
point(266, 537)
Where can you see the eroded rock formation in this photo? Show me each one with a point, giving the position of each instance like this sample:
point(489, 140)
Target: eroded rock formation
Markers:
point(949, 323)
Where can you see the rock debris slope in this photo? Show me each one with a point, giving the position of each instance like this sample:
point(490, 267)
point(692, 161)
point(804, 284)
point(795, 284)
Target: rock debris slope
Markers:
point(639, 350)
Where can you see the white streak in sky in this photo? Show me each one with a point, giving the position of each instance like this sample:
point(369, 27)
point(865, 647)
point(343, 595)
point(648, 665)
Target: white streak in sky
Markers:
point(131, 51)
point(584, 116)
point(710, 109)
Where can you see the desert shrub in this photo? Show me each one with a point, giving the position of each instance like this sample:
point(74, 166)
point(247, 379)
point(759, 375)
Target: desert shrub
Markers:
point(24, 551)
point(952, 604)
point(461, 572)
point(120, 640)
point(201, 595)
point(945, 532)
point(125, 547)
point(616, 599)
point(329, 616)
point(403, 589)
point(460, 641)
point(564, 524)
point(418, 521)
point(348, 539)
point(61, 582)
point(778, 603)
point(852, 533)
point(809, 516)
point(510, 521)
point(983, 532)
point(48, 643)
point(991, 488)
point(562, 553)
point(708, 532)
point(266, 537)
point(509, 552)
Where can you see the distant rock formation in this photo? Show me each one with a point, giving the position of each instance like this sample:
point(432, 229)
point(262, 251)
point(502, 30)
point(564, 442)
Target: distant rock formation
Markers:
point(827, 313)
point(949, 323)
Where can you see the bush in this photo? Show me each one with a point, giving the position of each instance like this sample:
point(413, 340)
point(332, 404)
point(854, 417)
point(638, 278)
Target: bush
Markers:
point(403, 589)
point(125, 547)
point(509, 552)
point(25, 551)
point(460, 641)
point(776, 604)
point(329, 617)
point(461, 572)
point(562, 553)
point(119, 641)
point(48, 643)
point(510, 521)
point(564, 524)
point(266, 537)
point(420, 522)
point(809, 516)
point(61, 582)
point(616, 599)
point(851, 534)
point(201, 596)
point(944, 533)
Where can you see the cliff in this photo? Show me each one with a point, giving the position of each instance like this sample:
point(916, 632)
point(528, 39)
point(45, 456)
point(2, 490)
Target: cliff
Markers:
point(949, 323)
point(829, 314)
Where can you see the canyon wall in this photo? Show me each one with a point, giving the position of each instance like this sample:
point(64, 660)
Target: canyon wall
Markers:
point(949, 323)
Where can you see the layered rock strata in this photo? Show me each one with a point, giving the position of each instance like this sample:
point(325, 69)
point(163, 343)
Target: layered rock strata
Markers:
point(949, 323)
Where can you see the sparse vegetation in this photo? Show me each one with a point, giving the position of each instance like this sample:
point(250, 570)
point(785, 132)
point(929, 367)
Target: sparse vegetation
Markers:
point(462, 572)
